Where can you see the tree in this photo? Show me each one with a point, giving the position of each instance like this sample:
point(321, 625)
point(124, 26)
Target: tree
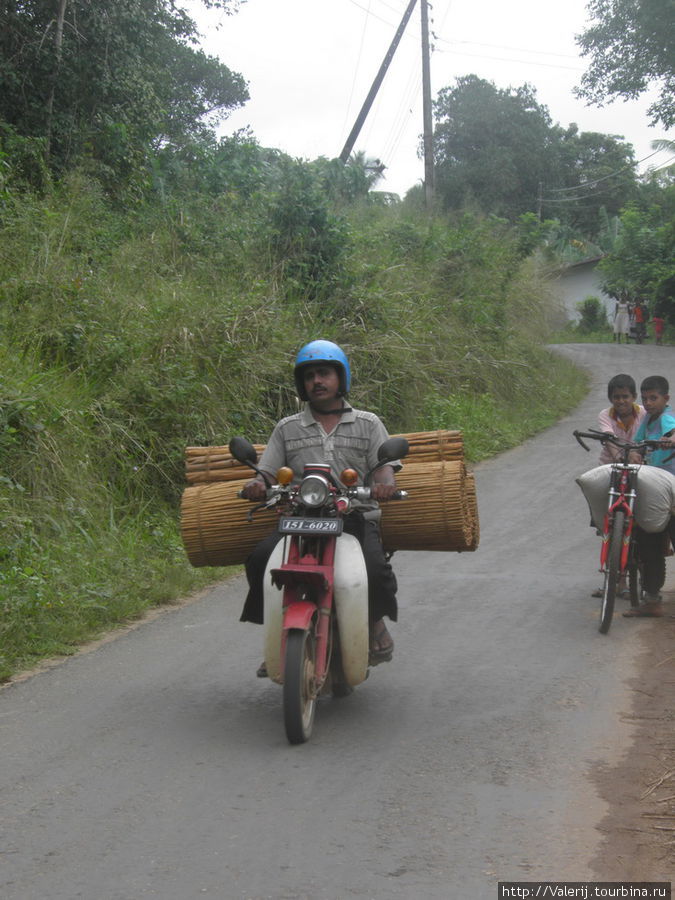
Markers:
point(596, 179)
point(631, 48)
point(643, 260)
point(491, 146)
point(499, 150)
point(106, 81)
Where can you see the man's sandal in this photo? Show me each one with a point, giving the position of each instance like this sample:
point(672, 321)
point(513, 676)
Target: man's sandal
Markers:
point(644, 612)
point(381, 644)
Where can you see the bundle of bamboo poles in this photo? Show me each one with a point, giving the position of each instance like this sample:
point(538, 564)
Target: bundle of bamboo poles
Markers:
point(204, 465)
point(440, 513)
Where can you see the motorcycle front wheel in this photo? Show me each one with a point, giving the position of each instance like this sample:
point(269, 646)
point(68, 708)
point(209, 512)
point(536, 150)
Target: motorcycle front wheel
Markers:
point(299, 685)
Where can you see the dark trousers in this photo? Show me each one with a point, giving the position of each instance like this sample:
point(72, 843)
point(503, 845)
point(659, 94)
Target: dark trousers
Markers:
point(653, 548)
point(381, 578)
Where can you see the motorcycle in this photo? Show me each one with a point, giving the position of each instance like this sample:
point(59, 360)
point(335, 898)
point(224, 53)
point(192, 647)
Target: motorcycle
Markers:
point(316, 585)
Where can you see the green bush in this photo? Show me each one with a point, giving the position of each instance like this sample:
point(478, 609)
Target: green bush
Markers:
point(593, 316)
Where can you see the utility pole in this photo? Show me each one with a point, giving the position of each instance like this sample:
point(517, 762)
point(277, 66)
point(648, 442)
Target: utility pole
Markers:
point(428, 134)
point(365, 109)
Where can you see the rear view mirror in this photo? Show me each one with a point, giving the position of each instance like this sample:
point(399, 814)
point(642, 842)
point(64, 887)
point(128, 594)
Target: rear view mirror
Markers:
point(393, 448)
point(243, 451)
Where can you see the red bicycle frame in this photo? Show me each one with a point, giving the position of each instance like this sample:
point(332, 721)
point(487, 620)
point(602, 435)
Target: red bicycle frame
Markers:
point(625, 500)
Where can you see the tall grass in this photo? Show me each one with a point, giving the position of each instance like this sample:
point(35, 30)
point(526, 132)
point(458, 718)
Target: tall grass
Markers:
point(124, 338)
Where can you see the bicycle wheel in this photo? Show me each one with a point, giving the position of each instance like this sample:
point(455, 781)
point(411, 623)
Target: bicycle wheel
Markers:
point(613, 572)
point(299, 686)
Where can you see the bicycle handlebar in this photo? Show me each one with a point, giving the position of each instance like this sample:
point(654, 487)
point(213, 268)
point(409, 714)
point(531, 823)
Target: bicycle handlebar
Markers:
point(606, 437)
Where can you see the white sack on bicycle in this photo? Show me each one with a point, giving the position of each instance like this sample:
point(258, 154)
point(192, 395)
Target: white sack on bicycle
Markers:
point(654, 503)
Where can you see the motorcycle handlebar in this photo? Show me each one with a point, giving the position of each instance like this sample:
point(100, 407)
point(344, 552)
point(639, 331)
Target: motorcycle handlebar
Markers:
point(397, 495)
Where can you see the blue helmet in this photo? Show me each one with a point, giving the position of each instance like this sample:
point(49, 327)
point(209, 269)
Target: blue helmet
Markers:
point(322, 352)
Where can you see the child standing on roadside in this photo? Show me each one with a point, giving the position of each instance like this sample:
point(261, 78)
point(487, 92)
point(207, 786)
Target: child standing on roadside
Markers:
point(658, 425)
point(659, 324)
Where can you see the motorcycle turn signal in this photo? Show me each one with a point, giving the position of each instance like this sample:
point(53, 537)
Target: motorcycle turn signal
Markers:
point(349, 477)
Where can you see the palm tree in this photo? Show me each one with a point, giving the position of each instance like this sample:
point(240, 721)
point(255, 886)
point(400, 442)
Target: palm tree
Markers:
point(665, 144)
point(373, 169)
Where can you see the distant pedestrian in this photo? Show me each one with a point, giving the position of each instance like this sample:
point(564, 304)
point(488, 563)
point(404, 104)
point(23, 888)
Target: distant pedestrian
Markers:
point(659, 324)
point(621, 319)
point(640, 317)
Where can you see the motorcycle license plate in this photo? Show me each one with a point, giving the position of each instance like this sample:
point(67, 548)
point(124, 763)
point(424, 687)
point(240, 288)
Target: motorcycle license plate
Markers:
point(298, 525)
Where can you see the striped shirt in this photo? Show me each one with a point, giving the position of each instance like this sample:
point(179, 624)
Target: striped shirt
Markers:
point(299, 440)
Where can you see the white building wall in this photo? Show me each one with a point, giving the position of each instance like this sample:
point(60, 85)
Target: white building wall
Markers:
point(574, 284)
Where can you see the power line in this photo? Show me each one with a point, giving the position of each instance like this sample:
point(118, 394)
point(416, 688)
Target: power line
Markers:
point(665, 165)
point(356, 70)
point(526, 62)
point(506, 47)
point(589, 184)
point(373, 15)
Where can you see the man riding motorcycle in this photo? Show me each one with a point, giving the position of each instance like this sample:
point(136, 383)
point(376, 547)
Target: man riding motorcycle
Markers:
point(329, 430)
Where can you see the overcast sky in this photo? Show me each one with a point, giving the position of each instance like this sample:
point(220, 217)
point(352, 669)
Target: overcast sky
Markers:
point(309, 65)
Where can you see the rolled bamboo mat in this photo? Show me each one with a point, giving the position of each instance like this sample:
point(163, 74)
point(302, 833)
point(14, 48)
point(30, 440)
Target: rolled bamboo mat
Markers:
point(207, 464)
point(214, 527)
point(439, 514)
point(472, 511)
point(430, 446)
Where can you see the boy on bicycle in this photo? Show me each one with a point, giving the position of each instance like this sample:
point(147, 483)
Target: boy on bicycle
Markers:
point(658, 425)
point(622, 418)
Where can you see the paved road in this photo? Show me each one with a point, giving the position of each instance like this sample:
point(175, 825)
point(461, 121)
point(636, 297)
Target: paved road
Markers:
point(156, 764)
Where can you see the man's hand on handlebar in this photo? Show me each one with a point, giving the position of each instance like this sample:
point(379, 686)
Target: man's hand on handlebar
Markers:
point(382, 491)
point(383, 486)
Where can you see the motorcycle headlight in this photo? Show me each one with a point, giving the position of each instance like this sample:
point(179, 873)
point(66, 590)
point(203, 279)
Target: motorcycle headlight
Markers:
point(314, 490)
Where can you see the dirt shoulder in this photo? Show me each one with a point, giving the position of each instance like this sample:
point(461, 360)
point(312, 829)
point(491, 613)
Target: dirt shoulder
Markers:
point(639, 828)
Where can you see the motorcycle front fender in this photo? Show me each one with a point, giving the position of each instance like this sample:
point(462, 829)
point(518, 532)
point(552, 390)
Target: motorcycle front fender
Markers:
point(299, 615)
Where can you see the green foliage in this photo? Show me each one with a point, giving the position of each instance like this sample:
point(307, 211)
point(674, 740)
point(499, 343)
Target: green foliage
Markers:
point(642, 263)
point(498, 151)
point(490, 146)
point(504, 414)
point(594, 178)
point(593, 316)
point(307, 242)
point(108, 83)
point(630, 47)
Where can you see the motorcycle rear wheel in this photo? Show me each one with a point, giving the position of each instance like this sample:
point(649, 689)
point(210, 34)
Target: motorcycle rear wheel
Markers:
point(299, 685)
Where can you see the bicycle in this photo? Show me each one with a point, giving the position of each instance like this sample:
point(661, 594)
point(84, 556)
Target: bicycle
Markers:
point(619, 554)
